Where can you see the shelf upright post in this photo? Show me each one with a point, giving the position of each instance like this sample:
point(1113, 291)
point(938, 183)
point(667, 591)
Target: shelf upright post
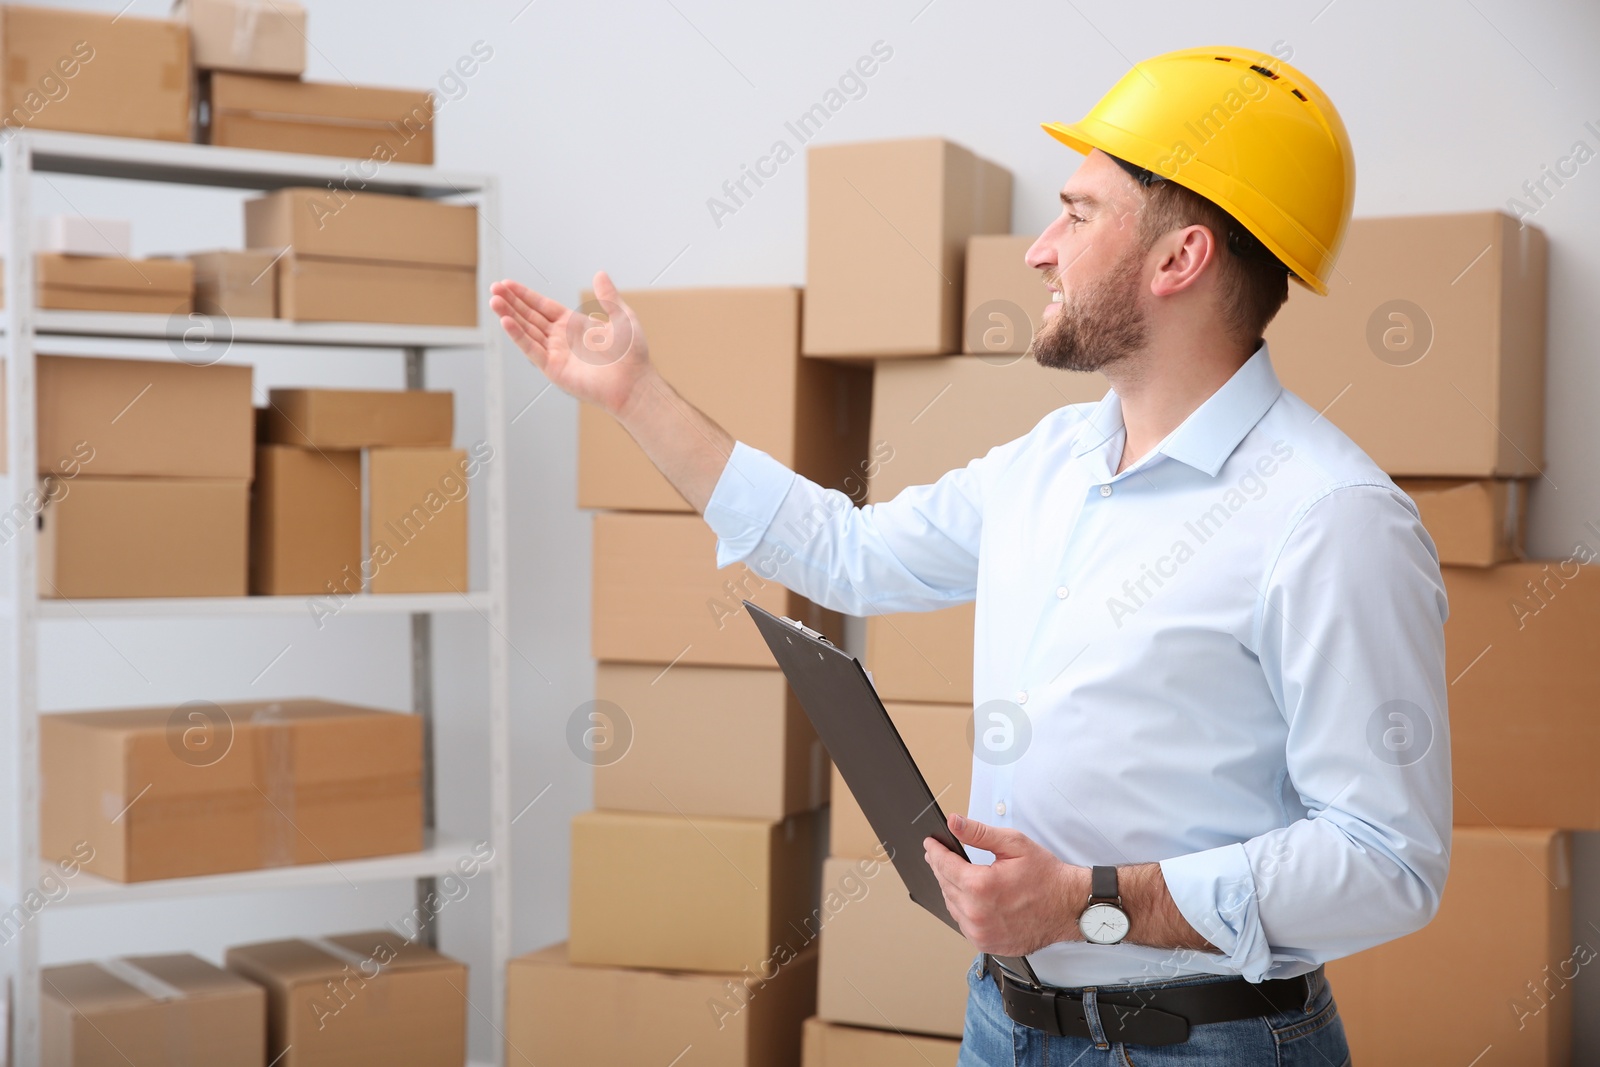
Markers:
point(499, 628)
point(422, 705)
point(21, 663)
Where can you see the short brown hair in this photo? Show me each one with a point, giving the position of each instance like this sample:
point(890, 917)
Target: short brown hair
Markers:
point(1254, 282)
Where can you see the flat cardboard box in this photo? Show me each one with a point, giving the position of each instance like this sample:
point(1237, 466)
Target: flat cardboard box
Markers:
point(371, 226)
point(318, 118)
point(238, 284)
point(1006, 298)
point(246, 35)
point(932, 416)
point(1521, 645)
point(658, 596)
point(159, 418)
point(176, 1010)
point(744, 722)
point(305, 521)
point(1429, 349)
point(417, 520)
point(558, 1012)
point(937, 737)
point(202, 788)
point(94, 72)
point(875, 942)
point(833, 1045)
point(887, 224)
point(316, 289)
point(360, 418)
point(735, 355)
point(371, 999)
point(112, 283)
point(80, 235)
point(923, 656)
point(1498, 962)
point(143, 537)
point(689, 893)
point(1473, 522)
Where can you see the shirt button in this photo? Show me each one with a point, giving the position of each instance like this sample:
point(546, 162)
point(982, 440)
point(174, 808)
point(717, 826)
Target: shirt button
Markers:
point(1022, 696)
point(1000, 807)
point(1105, 490)
point(1061, 592)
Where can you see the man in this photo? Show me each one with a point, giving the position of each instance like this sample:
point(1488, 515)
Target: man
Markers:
point(1211, 748)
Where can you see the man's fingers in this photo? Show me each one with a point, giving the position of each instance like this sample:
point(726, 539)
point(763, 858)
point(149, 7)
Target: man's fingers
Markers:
point(531, 347)
point(536, 304)
point(513, 304)
point(995, 839)
point(950, 869)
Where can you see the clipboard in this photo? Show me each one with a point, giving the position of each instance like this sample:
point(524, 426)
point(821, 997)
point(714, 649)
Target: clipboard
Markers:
point(855, 728)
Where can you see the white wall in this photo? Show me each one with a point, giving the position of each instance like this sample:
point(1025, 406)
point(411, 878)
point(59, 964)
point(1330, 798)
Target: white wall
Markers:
point(612, 123)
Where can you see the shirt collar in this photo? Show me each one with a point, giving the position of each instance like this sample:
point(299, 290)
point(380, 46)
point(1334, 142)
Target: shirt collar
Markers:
point(1213, 430)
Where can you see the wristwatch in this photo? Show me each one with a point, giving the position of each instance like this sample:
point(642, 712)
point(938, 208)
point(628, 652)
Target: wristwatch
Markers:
point(1102, 921)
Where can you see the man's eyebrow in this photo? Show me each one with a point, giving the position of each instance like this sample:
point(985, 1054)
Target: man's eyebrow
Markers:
point(1080, 199)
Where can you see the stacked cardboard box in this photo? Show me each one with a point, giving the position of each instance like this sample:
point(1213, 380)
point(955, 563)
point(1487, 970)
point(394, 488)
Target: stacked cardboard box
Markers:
point(368, 257)
point(145, 470)
point(695, 880)
point(138, 794)
point(340, 465)
point(1429, 353)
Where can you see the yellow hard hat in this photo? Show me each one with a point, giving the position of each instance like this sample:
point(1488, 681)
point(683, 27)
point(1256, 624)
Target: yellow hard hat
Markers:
point(1244, 130)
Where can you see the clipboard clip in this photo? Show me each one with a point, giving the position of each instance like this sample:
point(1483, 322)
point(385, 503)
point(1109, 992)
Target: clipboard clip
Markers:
point(808, 631)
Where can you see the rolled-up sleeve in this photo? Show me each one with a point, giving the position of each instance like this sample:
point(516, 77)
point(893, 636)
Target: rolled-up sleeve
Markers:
point(916, 552)
point(1350, 634)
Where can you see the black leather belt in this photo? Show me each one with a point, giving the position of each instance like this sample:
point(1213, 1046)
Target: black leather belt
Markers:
point(1160, 1016)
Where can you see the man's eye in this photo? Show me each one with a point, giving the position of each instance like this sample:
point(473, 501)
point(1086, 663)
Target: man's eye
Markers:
point(1075, 219)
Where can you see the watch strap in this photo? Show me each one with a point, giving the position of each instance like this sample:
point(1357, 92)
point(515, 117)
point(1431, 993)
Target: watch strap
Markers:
point(1103, 883)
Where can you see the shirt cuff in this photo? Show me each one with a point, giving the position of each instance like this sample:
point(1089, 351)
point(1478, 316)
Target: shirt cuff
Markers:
point(747, 495)
point(1216, 891)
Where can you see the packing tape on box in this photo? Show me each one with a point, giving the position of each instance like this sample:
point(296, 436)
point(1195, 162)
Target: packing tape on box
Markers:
point(366, 968)
point(275, 775)
point(179, 1049)
point(246, 19)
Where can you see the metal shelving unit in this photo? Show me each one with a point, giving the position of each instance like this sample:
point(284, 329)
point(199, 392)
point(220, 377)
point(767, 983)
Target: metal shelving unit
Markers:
point(29, 152)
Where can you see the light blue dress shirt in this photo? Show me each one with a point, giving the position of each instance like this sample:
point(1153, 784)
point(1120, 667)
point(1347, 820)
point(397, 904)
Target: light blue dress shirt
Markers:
point(1228, 658)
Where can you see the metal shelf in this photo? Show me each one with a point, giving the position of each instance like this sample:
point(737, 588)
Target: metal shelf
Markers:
point(122, 325)
point(26, 330)
point(232, 168)
point(439, 855)
point(256, 606)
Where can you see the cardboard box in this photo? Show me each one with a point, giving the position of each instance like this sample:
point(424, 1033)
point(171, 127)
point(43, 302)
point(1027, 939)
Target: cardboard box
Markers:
point(1473, 522)
point(1005, 298)
point(687, 893)
point(177, 1010)
point(938, 739)
point(246, 35)
point(735, 355)
point(417, 520)
point(202, 788)
point(887, 225)
point(143, 537)
point(239, 284)
point(745, 723)
point(94, 72)
point(659, 597)
point(359, 1000)
point(318, 118)
point(112, 283)
point(561, 1013)
point(360, 418)
point(1498, 959)
point(874, 943)
point(1429, 349)
point(321, 223)
point(349, 290)
point(79, 235)
point(832, 1045)
point(932, 416)
point(923, 655)
point(305, 521)
point(143, 417)
point(1521, 645)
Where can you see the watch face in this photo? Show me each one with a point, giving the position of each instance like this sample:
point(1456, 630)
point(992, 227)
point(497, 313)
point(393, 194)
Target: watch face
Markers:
point(1103, 924)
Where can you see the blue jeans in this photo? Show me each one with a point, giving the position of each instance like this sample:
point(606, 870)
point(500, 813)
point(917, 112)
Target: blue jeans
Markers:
point(1309, 1037)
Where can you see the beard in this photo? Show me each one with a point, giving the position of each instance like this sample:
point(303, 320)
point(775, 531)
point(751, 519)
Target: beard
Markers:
point(1101, 325)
